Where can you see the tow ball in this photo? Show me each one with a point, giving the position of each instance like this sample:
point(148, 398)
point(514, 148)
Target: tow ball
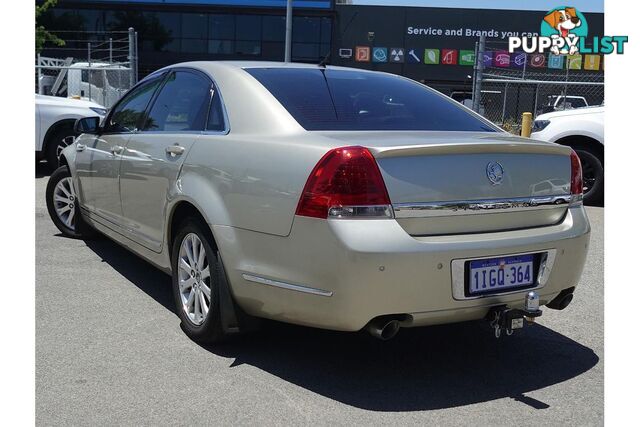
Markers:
point(505, 319)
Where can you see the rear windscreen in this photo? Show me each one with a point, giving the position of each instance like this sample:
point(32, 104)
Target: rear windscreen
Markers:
point(328, 99)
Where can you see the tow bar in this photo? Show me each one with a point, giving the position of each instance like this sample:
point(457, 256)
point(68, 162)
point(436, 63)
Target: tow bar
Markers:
point(504, 319)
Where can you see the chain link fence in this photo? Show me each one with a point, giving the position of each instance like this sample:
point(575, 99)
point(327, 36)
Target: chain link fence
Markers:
point(95, 66)
point(509, 84)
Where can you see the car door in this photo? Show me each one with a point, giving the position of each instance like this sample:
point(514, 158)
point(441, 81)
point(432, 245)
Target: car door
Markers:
point(98, 162)
point(154, 155)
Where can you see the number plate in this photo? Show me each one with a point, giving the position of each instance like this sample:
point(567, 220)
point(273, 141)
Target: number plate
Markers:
point(500, 274)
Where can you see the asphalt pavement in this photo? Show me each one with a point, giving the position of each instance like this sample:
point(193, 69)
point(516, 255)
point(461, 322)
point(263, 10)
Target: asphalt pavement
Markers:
point(109, 350)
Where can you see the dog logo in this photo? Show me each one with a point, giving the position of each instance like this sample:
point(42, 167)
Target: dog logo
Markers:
point(567, 23)
point(495, 173)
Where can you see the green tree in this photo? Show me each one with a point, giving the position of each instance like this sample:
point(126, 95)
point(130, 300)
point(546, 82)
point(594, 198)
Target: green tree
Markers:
point(43, 36)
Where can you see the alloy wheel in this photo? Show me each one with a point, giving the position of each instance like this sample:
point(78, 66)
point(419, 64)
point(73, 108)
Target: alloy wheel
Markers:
point(194, 279)
point(64, 200)
point(64, 143)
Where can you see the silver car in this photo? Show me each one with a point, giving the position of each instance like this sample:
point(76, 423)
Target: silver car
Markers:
point(324, 196)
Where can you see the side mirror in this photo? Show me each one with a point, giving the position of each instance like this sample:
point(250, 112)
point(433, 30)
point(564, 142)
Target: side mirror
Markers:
point(89, 125)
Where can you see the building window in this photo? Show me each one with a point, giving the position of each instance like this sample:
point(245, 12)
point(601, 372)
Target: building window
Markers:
point(194, 26)
point(305, 51)
point(248, 27)
point(306, 29)
point(222, 27)
point(193, 46)
point(273, 28)
point(221, 47)
point(248, 47)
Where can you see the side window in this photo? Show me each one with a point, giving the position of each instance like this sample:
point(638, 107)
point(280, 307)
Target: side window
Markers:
point(216, 116)
point(128, 113)
point(181, 105)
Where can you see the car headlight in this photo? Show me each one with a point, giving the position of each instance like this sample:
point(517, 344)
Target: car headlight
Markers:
point(539, 125)
point(99, 111)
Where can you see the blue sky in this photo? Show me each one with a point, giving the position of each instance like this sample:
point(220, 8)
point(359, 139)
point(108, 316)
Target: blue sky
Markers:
point(581, 5)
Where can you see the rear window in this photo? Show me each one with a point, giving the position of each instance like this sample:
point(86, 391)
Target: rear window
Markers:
point(327, 99)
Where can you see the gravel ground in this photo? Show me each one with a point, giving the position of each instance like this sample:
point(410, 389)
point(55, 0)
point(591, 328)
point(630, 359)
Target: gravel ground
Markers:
point(109, 350)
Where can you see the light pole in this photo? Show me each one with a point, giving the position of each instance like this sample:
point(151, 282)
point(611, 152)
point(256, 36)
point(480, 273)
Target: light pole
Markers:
point(289, 26)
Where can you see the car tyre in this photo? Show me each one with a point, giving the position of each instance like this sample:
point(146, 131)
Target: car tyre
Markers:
point(196, 283)
point(59, 141)
point(592, 175)
point(62, 205)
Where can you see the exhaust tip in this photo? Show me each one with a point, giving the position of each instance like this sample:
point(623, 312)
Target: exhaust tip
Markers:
point(383, 328)
point(562, 300)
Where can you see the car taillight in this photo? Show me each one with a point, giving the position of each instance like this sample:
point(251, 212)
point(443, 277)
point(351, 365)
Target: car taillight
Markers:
point(576, 178)
point(345, 183)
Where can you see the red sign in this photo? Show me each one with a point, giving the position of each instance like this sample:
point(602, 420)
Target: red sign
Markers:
point(363, 54)
point(449, 56)
point(501, 59)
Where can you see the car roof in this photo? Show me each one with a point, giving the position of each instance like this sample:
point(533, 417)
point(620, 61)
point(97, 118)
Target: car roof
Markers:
point(213, 66)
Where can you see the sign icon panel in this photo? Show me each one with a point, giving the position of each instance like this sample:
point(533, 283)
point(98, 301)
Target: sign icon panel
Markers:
point(487, 59)
point(345, 53)
point(518, 60)
point(467, 57)
point(414, 56)
point(555, 62)
point(449, 56)
point(363, 53)
point(431, 56)
point(502, 59)
point(575, 62)
point(538, 60)
point(397, 55)
point(380, 54)
point(592, 62)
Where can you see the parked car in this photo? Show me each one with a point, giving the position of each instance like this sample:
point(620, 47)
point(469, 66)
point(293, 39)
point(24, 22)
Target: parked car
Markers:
point(561, 103)
point(324, 196)
point(55, 119)
point(583, 130)
point(99, 82)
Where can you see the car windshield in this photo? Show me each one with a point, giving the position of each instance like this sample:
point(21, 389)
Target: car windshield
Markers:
point(329, 99)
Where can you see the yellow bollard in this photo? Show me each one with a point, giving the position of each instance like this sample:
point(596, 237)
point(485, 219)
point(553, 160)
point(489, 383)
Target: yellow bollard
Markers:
point(527, 119)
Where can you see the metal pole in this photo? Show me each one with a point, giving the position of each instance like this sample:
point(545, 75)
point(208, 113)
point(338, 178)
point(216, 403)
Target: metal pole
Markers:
point(39, 75)
point(535, 106)
point(479, 69)
point(135, 57)
point(289, 26)
point(110, 50)
point(504, 102)
point(132, 71)
point(89, 71)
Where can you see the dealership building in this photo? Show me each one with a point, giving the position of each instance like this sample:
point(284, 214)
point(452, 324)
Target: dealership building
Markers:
point(433, 45)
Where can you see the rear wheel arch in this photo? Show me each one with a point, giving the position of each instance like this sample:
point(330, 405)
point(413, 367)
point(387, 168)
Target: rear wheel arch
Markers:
point(180, 212)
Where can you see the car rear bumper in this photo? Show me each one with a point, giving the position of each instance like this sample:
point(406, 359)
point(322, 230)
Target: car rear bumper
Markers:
point(340, 274)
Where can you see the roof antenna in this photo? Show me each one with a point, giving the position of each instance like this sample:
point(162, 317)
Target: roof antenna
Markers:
point(325, 60)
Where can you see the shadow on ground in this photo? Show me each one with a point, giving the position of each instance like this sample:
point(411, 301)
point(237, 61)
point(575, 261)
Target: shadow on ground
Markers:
point(421, 369)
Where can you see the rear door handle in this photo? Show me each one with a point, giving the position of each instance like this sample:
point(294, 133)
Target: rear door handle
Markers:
point(174, 150)
point(80, 147)
point(117, 149)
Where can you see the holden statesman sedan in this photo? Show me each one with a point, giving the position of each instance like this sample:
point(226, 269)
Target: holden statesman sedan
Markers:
point(324, 196)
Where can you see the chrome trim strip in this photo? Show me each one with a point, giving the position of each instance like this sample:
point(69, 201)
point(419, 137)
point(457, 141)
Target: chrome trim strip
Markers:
point(457, 274)
point(473, 207)
point(288, 286)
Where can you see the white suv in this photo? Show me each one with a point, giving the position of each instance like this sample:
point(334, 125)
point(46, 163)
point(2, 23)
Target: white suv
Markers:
point(583, 130)
point(55, 117)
